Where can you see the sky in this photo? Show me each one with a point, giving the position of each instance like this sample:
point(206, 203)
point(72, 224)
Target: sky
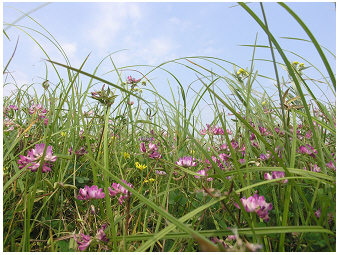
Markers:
point(150, 33)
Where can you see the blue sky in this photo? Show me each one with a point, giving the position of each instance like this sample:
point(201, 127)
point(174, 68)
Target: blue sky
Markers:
point(157, 32)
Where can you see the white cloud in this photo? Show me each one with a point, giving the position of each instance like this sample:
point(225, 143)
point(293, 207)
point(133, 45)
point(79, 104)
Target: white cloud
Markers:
point(112, 18)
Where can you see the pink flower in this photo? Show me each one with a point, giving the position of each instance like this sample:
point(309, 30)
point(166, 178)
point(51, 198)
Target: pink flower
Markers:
point(46, 121)
point(154, 155)
point(256, 204)
point(315, 168)
point(276, 175)
point(142, 147)
point(84, 243)
point(308, 150)
point(318, 213)
point(101, 234)
point(186, 162)
point(119, 189)
point(331, 165)
point(160, 172)
point(203, 174)
point(91, 193)
point(132, 80)
point(34, 158)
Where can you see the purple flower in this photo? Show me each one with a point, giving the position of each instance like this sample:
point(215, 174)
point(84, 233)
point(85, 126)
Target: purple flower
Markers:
point(86, 241)
point(186, 162)
point(331, 165)
point(263, 131)
point(142, 147)
point(160, 172)
point(308, 150)
point(101, 234)
point(34, 158)
point(132, 80)
point(119, 189)
point(203, 173)
point(276, 175)
point(318, 213)
point(13, 107)
point(91, 193)
point(256, 204)
point(315, 168)
point(154, 155)
point(46, 121)
point(308, 135)
point(216, 240)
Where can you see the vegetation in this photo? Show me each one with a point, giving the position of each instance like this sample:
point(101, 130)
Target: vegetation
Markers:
point(86, 171)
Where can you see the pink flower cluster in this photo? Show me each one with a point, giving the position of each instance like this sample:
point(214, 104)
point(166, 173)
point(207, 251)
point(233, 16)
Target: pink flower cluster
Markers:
point(203, 174)
point(132, 80)
point(38, 109)
point(119, 189)
point(85, 240)
point(34, 156)
point(308, 150)
point(91, 193)
point(276, 175)
point(214, 131)
point(256, 204)
point(152, 151)
point(186, 162)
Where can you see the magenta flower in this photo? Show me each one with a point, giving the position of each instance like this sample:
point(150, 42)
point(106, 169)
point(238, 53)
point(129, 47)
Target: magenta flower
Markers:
point(101, 234)
point(91, 193)
point(263, 131)
point(34, 158)
point(276, 175)
point(160, 172)
point(84, 243)
point(318, 213)
point(46, 121)
point(315, 168)
point(331, 165)
point(154, 155)
point(186, 162)
point(132, 80)
point(119, 189)
point(142, 147)
point(308, 135)
point(13, 107)
point(256, 204)
point(308, 150)
point(203, 174)
point(216, 240)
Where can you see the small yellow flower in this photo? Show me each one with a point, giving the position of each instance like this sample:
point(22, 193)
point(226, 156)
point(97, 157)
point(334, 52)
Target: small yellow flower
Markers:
point(62, 133)
point(126, 155)
point(295, 63)
point(192, 152)
point(264, 102)
point(150, 180)
point(242, 71)
point(301, 65)
point(139, 166)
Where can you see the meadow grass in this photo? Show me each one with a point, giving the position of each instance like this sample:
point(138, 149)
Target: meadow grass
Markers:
point(86, 171)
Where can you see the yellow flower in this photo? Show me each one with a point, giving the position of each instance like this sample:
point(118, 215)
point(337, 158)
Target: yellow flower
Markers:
point(192, 152)
point(126, 155)
point(139, 166)
point(62, 133)
point(264, 102)
point(301, 65)
point(150, 180)
point(242, 71)
point(295, 63)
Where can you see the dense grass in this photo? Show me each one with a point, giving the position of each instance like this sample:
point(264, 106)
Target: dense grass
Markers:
point(280, 149)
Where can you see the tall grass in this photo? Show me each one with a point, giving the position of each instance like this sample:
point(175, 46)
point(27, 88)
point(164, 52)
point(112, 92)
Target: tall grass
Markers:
point(279, 147)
